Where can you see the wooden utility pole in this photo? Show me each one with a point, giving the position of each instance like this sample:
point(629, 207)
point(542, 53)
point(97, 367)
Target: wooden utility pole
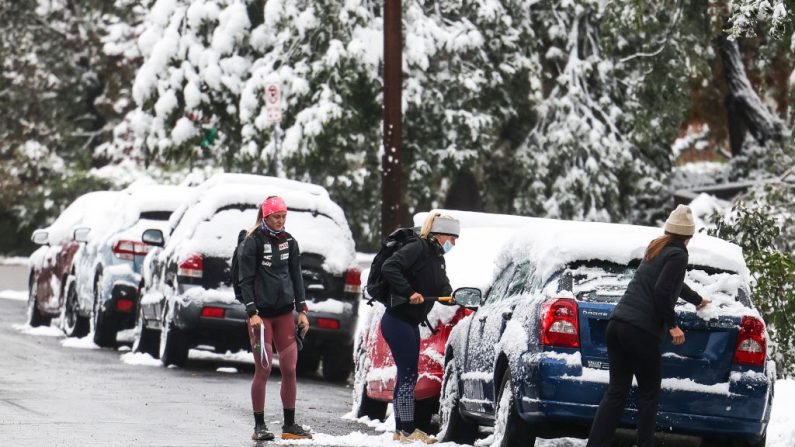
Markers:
point(392, 206)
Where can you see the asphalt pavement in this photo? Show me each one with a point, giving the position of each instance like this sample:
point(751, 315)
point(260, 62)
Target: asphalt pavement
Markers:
point(51, 395)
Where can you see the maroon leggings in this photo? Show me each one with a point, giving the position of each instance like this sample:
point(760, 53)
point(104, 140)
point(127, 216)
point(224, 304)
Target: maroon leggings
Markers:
point(282, 330)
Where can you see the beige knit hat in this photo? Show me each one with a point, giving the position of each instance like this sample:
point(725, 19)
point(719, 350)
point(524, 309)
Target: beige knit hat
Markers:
point(680, 221)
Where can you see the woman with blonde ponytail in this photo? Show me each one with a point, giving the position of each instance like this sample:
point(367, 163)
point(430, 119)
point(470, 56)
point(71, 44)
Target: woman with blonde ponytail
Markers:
point(637, 326)
point(417, 270)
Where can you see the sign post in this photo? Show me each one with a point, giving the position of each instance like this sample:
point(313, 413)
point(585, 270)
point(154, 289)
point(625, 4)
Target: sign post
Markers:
point(273, 113)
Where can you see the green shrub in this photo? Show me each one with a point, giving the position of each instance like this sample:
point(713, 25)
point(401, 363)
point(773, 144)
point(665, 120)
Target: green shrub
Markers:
point(773, 272)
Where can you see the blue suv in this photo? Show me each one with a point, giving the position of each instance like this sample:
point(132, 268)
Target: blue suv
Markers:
point(532, 360)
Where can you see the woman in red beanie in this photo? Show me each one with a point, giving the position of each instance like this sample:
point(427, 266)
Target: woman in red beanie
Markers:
point(272, 288)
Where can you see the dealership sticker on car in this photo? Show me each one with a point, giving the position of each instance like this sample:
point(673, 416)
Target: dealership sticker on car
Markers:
point(595, 364)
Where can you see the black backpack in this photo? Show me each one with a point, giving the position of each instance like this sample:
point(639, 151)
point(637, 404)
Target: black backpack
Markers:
point(234, 269)
point(377, 287)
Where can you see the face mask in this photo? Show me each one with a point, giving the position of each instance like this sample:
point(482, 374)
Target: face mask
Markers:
point(447, 246)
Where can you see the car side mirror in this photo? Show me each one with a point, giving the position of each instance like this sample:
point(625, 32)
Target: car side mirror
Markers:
point(81, 234)
point(468, 297)
point(153, 237)
point(40, 237)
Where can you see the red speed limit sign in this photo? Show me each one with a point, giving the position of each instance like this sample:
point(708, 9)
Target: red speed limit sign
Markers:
point(272, 94)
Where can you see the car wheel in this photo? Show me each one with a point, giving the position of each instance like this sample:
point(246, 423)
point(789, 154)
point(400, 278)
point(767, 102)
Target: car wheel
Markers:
point(423, 415)
point(173, 344)
point(146, 340)
point(104, 330)
point(373, 409)
point(35, 318)
point(72, 323)
point(452, 427)
point(510, 430)
point(338, 364)
point(308, 362)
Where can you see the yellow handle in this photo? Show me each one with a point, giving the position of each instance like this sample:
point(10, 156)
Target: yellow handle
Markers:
point(445, 298)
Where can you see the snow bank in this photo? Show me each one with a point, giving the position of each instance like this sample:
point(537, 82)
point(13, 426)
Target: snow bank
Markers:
point(86, 342)
point(41, 331)
point(139, 359)
point(19, 295)
point(15, 260)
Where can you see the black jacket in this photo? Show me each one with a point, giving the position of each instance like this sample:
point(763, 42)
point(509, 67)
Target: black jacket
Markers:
point(417, 267)
point(651, 296)
point(273, 284)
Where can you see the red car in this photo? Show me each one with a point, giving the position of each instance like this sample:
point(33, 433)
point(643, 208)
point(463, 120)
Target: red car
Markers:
point(376, 371)
point(52, 265)
point(469, 264)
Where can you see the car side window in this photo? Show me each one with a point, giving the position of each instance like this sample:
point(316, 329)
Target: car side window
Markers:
point(521, 281)
point(500, 285)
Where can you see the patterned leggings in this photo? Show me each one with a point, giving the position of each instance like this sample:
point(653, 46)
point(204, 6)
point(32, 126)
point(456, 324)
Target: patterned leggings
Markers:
point(282, 330)
point(404, 341)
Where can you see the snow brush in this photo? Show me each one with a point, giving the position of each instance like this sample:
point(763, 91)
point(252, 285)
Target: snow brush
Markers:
point(396, 300)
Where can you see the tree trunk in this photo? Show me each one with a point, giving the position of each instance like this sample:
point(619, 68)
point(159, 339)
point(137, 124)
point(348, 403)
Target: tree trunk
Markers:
point(463, 194)
point(745, 111)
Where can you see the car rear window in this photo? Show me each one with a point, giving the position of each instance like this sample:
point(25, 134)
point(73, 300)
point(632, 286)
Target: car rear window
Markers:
point(604, 281)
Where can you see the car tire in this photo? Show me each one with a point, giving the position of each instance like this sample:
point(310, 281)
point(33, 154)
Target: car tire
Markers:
point(35, 318)
point(508, 425)
point(173, 344)
point(452, 427)
point(308, 362)
point(373, 409)
point(72, 323)
point(104, 330)
point(146, 341)
point(338, 364)
point(423, 415)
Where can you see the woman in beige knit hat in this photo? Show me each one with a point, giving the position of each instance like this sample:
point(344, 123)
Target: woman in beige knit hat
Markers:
point(638, 325)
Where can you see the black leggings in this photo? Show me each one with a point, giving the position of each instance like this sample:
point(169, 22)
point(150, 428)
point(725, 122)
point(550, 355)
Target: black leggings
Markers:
point(404, 341)
point(630, 351)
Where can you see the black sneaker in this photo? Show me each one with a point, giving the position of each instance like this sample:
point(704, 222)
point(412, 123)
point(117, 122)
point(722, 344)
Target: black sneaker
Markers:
point(295, 431)
point(261, 433)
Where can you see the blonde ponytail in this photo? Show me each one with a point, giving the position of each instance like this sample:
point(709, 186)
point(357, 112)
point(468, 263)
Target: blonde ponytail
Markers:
point(426, 226)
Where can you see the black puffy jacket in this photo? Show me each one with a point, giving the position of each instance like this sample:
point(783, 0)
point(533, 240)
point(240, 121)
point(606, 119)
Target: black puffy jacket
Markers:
point(652, 293)
point(273, 284)
point(417, 267)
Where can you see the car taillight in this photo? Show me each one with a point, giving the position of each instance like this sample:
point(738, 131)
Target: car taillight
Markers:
point(123, 305)
point(328, 323)
point(751, 343)
point(191, 267)
point(559, 323)
point(353, 281)
point(213, 312)
point(124, 249)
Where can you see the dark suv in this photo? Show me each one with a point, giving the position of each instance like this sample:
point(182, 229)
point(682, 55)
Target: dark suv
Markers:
point(188, 302)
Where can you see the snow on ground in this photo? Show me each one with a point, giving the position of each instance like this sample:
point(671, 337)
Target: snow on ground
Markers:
point(40, 331)
point(17, 260)
point(139, 359)
point(781, 432)
point(240, 356)
point(19, 295)
point(86, 342)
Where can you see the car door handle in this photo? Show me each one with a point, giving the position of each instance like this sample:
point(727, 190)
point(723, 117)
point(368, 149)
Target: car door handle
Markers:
point(507, 315)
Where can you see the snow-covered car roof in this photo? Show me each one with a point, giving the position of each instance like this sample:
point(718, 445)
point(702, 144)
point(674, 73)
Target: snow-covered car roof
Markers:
point(265, 182)
point(551, 244)
point(95, 210)
point(326, 233)
point(147, 198)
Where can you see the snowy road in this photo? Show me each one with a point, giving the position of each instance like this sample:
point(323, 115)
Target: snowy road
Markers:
point(58, 396)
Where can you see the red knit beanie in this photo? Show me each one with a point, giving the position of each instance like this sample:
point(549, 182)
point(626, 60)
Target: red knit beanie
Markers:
point(274, 204)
